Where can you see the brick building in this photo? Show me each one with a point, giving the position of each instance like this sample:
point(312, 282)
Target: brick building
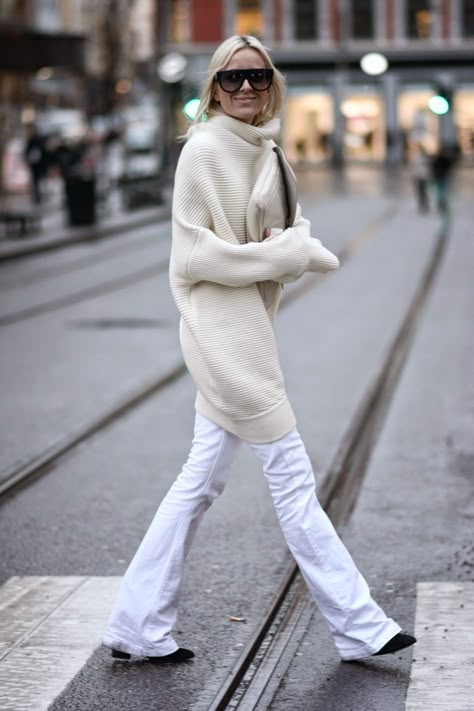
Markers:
point(332, 106)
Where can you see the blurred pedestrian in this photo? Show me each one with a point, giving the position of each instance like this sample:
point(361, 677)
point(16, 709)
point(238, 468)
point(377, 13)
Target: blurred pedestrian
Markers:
point(441, 168)
point(421, 172)
point(36, 159)
point(231, 252)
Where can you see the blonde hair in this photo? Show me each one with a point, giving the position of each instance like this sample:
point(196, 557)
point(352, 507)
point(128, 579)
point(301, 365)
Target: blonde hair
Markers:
point(208, 106)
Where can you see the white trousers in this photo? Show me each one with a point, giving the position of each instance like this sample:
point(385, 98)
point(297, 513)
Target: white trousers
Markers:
point(145, 611)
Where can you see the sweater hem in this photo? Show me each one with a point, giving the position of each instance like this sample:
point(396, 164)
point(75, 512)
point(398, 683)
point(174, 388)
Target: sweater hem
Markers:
point(261, 429)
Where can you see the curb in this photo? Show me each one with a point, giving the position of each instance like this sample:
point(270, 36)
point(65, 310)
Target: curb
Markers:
point(38, 245)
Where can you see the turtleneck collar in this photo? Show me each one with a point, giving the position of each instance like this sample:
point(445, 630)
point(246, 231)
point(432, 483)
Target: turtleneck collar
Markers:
point(253, 134)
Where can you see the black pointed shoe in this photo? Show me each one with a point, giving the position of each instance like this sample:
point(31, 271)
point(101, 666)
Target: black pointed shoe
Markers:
point(400, 641)
point(181, 655)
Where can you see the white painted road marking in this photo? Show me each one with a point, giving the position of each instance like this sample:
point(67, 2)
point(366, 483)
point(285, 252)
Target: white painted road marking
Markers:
point(442, 677)
point(49, 627)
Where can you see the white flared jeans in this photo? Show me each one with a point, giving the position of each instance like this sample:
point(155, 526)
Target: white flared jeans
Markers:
point(145, 612)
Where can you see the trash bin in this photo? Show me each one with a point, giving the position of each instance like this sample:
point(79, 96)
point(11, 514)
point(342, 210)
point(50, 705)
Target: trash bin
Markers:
point(81, 199)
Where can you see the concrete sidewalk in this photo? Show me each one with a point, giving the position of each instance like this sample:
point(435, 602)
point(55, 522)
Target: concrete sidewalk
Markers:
point(112, 218)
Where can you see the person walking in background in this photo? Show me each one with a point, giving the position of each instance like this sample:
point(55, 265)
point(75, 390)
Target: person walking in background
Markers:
point(231, 252)
point(421, 172)
point(36, 159)
point(441, 169)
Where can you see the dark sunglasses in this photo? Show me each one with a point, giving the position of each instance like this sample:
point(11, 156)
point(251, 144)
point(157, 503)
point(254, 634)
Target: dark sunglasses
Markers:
point(232, 79)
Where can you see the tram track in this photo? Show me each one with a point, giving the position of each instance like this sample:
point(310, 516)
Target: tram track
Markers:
point(106, 287)
point(83, 235)
point(40, 464)
point(71, 266)
point(27, 472)
point(255, 676)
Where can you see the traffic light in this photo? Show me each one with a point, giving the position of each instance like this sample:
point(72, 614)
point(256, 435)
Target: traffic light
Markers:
point(190, 108)
point(440, 103)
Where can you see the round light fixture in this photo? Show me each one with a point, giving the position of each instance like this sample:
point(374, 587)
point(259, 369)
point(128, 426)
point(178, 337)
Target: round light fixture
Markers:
point(172, 67)
point(44, 73)
point(374, 63)
point(123, 86)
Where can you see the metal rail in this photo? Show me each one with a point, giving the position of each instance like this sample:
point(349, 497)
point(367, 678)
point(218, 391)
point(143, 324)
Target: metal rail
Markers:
point(116, 248)
point(44, 462)
point(90, 292)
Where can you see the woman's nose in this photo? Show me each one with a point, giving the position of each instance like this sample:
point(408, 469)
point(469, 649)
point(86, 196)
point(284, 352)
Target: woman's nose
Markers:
point(246, 85)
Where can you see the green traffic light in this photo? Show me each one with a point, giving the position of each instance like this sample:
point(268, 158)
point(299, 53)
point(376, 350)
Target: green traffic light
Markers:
point(438, 105)
point(190, 108)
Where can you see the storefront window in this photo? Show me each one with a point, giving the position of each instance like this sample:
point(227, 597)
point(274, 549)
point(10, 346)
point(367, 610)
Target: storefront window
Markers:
point(464, 121)
point(467, 18)
point(418, 125)
point(364, 132)
point(305, 13)
point(47, 15)
point(8, 10)
point(419, 19)
point(249, 18)
point(362, 19)
point(180, 21)
point(307, 126)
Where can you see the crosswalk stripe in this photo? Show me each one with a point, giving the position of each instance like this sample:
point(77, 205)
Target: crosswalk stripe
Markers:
point(442, 675)
point(49, 627)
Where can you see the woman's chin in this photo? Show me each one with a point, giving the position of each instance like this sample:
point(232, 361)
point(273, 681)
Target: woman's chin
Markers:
point(245, 116)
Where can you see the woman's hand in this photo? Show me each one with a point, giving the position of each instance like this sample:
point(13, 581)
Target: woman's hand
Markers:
point(271, 233)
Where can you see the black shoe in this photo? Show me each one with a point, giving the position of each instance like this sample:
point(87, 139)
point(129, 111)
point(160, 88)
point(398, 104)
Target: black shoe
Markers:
point(181, 655)
point(400, 641)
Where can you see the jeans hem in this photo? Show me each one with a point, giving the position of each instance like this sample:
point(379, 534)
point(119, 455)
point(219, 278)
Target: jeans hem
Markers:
point(138, 650)
point(366, 650)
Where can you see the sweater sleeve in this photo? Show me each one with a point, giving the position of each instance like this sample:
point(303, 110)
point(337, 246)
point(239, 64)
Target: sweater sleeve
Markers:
point(198, 254)
point(318, 258)
point(213, 259)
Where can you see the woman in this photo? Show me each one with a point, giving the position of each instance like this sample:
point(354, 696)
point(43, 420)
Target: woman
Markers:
point(230, 255)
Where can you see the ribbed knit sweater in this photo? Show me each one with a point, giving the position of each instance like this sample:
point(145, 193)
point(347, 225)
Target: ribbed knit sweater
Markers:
point(226, 329)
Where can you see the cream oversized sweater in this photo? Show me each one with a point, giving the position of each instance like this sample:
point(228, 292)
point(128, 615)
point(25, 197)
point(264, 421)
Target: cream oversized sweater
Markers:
point(226, 329)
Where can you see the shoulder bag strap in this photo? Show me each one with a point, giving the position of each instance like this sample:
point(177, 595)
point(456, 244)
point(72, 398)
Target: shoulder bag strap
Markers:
point(290, 188)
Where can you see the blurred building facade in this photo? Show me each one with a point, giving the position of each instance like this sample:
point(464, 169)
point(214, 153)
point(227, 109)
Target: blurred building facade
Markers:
point(63, 62)
point(333, 109)
point(103, 58)
point(74, 53)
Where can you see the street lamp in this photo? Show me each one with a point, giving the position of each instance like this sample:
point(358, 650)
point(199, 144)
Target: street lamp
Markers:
point(172, 67)
point(374, 63)
point(171, 70)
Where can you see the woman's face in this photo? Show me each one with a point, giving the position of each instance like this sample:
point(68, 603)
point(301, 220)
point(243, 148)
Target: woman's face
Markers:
point(245, 103)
